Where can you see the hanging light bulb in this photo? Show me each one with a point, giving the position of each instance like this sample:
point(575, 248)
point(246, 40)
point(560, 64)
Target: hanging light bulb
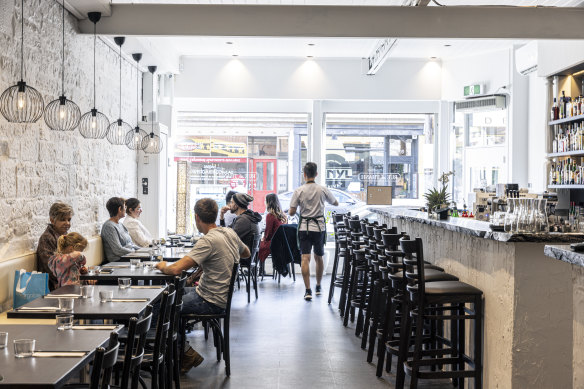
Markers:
point(135, 136)
point(62, 114)
point(21, 103)
point(117, 130)
point(152, 144)
point(94, 124)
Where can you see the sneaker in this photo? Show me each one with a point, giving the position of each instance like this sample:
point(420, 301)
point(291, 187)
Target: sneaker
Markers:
point(318, 291)
point(308, 295)
point(191, 359)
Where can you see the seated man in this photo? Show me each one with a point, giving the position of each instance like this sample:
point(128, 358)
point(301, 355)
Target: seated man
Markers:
point(215, 253)
point(245, 224)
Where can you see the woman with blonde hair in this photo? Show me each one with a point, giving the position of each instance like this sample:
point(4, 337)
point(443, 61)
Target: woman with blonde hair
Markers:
point(274, 219)
point(68, 262)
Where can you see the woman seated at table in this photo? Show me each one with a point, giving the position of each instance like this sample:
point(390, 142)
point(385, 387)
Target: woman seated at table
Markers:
point(274, 220)
point(139, 234)
point(68, 263)
point(60, 215)
point(114, 236)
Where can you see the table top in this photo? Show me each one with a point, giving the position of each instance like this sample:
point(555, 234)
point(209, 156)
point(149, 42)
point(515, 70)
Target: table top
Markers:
point(92, 308)
point(123, 269)
point(47, 372)
point(168, 253)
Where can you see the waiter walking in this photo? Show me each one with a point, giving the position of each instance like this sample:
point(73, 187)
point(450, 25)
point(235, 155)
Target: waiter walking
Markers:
point(310, 197)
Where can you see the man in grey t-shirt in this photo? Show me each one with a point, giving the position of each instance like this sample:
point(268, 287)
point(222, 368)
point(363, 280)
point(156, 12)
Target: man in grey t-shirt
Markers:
point(311, 197)
point(215, 253)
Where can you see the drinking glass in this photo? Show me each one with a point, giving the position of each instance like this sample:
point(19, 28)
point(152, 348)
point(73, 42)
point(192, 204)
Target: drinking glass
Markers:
point(66, 304)
point(64, 322)
point(510, 216)
point(148, 266)
point(93, 270)
point(86, 291)
point(23, 348)
point(124, 282)
point(3, 339)
point(106, 295)
point(134, 263)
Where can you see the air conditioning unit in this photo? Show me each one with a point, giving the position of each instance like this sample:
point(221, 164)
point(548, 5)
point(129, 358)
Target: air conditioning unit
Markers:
point(484, 103)
point(526, 58)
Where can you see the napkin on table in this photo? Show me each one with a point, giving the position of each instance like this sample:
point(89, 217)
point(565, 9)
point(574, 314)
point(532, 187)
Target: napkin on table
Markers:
point(96, 327)
point(130, 300)
point(70, 354)
point(66, 295)
point(38, 309)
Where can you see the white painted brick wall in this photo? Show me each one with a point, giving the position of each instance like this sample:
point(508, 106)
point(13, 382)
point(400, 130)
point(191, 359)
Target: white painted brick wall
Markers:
point(39, 166)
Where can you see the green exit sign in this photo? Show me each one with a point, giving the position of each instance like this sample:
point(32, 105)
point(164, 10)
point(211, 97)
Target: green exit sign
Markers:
point(474, 90)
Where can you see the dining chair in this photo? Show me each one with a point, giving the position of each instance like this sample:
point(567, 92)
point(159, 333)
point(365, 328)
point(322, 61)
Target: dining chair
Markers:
point(172, 346)
point(129, 365)
point(221, 338)
point(249, 270)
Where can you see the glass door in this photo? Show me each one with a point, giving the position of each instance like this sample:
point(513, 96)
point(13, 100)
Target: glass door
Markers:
point(263, 178)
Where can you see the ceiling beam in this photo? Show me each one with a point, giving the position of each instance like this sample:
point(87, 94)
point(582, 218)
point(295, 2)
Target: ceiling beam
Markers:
point(341, 21)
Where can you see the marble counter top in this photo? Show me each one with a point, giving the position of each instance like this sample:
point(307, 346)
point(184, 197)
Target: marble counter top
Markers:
point(475, 227)
point(564, 253)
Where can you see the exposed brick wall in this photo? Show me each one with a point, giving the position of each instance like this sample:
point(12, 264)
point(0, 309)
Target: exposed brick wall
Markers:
point(39, 166)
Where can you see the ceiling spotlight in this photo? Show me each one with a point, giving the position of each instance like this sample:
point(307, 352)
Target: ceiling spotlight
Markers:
point(234, 55)
point(447, 45)
point(309, 56)
point(228, 43)
point(433, 58)
point(311, 44)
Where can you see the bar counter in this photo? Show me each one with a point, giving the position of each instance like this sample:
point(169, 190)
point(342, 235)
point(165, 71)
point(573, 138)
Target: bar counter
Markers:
point(532, 337)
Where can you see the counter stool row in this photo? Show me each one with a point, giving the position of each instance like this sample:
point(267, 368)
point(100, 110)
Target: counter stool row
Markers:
point(402, 302)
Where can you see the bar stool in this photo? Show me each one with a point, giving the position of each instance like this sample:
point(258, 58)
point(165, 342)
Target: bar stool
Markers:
point(340, 235)
point(426, 303)
point(353, 235)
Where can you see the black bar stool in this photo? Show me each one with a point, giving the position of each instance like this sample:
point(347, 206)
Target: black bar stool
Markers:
point(340, 236)
point(426, 303)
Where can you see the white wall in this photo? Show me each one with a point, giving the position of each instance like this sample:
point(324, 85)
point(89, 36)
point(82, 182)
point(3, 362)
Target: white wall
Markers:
point(537, 122)
point(319, 79)
point(39, 166)
point(555, 56)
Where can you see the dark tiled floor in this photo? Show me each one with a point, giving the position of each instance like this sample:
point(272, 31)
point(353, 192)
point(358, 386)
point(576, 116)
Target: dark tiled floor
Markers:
point(281, 341)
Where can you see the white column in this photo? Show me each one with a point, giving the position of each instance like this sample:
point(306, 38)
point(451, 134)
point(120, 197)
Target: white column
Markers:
point(316, 141)
point(442, 160)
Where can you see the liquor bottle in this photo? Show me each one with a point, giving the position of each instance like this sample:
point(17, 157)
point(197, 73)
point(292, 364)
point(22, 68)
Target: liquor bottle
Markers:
point(551, 178)
point(555, 114)
point(563, 105)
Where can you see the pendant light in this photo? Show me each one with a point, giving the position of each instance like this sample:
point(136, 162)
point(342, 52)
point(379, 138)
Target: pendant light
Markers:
point(62, 114)
point(118, 129)
point(152, 144)
point(21, 103)
point(134, 137)
point(94, 124)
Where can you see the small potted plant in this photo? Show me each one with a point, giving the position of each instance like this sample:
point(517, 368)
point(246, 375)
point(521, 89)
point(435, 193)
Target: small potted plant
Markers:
point(437, 200)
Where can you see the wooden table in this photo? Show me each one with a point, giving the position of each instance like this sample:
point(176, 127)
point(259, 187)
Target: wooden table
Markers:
point(47, 372)
point(93, 309)
point(168, 253)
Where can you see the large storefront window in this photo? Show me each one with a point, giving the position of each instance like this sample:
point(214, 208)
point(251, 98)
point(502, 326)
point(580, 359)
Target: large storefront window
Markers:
point(255, 158)
point(380, 150)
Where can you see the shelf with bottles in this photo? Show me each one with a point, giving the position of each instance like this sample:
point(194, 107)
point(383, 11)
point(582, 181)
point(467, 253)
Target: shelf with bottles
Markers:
point(566, 186)
point(567, 120)
point(566, 172)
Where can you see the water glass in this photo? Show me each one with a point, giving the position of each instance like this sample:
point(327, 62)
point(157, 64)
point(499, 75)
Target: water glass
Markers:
point(124, 283)
point(3, 339)
point(64, 322)
point(134, 263)
point(148, 266)
point(86, 291)
point(106, 295)
point(66, 304)
point(23, 348)
point(94, 270)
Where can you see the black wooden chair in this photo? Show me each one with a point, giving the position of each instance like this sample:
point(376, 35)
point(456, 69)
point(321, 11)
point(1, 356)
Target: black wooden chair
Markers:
point(438, 301)
point(220, 338)
point(340, 251)
point(103, 363)
point(172, 347)
point(249, 270)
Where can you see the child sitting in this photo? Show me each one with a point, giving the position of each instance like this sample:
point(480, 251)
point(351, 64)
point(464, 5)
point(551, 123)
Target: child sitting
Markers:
point(68, 262)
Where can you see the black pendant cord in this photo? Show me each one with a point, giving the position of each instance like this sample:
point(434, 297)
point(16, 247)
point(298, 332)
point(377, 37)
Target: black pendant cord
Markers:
point(22, 41)
point(137, 94)
point(153, 97)
point(94, 41)
point(63, 68)
point(120, 82)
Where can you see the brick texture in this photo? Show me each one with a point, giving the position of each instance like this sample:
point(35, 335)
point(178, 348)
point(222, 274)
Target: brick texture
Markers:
point(39, 166)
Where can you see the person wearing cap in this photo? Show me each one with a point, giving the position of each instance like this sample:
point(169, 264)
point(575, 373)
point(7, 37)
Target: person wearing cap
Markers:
point(311, 197)
point(226, 213)
point(246, 221)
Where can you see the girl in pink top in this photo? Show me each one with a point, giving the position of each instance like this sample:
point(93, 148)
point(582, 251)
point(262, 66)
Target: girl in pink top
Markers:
point(68, 262)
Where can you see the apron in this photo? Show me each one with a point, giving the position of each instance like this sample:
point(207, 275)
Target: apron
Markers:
point(308, 220)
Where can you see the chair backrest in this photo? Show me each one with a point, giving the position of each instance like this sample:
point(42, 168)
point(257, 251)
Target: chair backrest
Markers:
point(103, 363)
point(414, 264)
point(255, 248)
point(163, 325)
point(230, 293)
point(180, 282)
point(137, 331)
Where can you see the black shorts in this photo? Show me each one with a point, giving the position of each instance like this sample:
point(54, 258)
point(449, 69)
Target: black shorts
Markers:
point(310, 239)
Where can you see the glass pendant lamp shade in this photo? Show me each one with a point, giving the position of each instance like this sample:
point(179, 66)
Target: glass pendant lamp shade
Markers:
point(152, 144)
point(118, 129)
point(94, 124)
point(135, 136)
point(62, 114)
point(21, 103)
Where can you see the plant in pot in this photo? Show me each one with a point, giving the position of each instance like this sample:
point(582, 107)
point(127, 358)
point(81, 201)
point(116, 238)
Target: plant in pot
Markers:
point(437, 200)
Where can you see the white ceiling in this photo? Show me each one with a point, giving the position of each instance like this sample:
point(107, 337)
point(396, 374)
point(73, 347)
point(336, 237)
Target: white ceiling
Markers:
point(518, 3)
